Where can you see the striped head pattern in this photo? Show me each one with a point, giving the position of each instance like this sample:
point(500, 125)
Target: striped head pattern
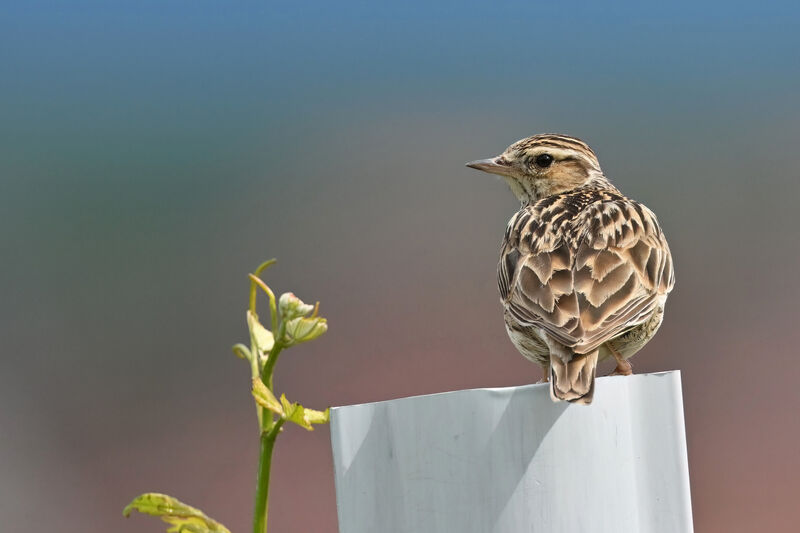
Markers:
point(546, 164)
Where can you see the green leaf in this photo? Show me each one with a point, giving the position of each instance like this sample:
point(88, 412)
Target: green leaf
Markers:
point(304, 329)
point(296, 413)
point(265, 398)
point(316, 417)
point(262, 337)
point(182, 517)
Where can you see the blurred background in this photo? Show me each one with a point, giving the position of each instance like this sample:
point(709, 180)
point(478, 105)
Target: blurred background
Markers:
point(151, 154)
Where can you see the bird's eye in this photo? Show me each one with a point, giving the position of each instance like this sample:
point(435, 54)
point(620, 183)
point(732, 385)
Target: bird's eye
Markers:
point(544, 160)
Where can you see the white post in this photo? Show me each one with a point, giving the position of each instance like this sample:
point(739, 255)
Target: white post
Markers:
point(510, 461)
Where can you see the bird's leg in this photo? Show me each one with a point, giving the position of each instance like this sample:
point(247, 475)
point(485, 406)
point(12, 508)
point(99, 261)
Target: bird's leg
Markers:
point(546, 376)
point(624, 367)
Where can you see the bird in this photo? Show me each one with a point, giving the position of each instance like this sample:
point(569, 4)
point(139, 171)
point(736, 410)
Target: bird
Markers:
point(584, 271)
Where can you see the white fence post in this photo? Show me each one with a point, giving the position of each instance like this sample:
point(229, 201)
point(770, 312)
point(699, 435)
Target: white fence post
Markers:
point(510, 460)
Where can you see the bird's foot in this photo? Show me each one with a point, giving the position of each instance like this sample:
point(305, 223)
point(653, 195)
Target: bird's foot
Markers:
point(624, 368)
point(545, 377)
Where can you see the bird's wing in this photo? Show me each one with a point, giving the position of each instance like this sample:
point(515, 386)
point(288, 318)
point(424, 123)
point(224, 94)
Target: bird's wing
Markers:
point(587, 279)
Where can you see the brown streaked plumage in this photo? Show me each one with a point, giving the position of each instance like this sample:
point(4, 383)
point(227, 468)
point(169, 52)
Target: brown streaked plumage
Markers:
point(584, 272)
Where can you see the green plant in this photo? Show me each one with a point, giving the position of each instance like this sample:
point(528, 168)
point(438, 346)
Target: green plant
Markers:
point(291, 322)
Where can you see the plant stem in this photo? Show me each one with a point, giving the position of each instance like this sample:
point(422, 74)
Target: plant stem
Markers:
point(272, 359)
point(269, 366)
point(262, 485)
point(255, 281)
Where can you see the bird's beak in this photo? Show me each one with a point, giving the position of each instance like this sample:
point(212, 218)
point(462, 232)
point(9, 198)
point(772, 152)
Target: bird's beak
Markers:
point(494, 165)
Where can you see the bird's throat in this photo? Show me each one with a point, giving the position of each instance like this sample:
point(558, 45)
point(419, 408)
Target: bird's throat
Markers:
point(529, 189)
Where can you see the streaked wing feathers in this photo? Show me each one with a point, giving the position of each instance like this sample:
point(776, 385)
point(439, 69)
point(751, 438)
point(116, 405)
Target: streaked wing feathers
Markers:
point(585, 267)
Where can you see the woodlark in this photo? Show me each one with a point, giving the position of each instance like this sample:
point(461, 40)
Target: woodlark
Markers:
point(584, 272)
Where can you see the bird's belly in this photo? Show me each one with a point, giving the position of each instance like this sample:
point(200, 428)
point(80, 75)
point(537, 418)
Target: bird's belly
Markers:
point(528, 340)
point(634, 339)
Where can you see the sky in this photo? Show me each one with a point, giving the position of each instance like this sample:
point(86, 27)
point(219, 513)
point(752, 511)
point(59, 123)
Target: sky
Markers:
point(151, 154)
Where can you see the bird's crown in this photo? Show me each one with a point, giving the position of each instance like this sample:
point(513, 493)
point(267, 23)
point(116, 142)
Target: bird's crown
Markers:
point(559, 147)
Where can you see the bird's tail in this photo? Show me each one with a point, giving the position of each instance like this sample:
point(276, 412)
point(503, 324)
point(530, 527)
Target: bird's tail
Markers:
point(573, 381)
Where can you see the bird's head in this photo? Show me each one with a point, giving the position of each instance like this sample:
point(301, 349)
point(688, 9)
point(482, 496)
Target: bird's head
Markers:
point(543, 165)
